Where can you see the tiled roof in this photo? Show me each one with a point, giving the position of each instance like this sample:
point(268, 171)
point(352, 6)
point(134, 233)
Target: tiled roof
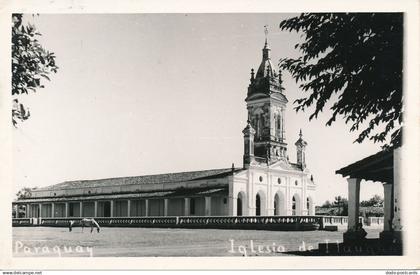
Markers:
point(149, 179)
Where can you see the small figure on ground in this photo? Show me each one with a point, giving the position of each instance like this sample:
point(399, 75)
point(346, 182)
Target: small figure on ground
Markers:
point(71, 222)
point(361, 231)
point(85, 222)
point(90, 222)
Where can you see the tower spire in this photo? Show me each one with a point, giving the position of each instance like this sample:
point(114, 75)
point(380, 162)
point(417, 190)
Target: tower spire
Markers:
point(266, 106)
point(266, 49)
point(266, 35)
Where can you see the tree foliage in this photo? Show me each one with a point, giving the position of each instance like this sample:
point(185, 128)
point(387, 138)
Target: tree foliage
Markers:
point(30, 63)
point(327, 204)
point(24, 193)
point(342, 205)
point(357, 56)
point(375, 201)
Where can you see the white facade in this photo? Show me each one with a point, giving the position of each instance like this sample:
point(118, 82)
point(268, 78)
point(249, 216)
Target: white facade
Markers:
point(281, 192)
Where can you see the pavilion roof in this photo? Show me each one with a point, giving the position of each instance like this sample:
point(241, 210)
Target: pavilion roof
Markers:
point(377, 167)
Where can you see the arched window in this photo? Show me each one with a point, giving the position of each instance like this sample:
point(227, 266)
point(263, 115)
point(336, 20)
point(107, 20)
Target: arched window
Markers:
point(262, 125)
point(257, 126)
point(309, 206)
point(294, 206)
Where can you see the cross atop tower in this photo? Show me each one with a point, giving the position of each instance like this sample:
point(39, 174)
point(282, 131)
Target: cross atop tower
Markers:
point(266, 34)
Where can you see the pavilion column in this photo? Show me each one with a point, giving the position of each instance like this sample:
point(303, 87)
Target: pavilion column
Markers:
point(112, 208)
point(40, 210)
point(353, 203)
point(15, 208)
point(388, 209)
point(207, 208)
point(66, 209)
point(52, 210)
point(396, 221)
point(146, 207)
point(128, 208)
point(80, 209)
point(165, 207)
point(27, 211)
point(187, 202)
point(95, 208)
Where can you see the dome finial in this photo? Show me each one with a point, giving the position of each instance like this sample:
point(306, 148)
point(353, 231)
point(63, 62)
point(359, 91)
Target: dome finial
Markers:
point(300, 133)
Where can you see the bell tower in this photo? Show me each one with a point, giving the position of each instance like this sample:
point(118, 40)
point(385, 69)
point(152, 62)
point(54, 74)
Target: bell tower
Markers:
point(266, 104)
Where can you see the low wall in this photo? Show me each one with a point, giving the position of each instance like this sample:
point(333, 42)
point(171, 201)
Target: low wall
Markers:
point(283, 223)
point(375, 221)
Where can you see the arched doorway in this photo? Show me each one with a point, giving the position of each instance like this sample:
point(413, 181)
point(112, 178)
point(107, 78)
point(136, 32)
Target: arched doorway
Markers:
point(296, 205)
point(240, 204)
point(239, 207)
point(258, 205)
point(279, 207)
point(276, 206)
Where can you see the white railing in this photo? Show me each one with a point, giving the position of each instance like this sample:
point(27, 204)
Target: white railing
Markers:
point(239, 222)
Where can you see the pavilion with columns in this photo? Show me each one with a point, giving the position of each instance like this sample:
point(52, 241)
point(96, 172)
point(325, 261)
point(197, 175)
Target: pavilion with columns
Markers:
point(383, 167)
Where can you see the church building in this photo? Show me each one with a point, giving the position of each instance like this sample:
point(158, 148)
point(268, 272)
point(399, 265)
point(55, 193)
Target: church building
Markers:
point(268, 183)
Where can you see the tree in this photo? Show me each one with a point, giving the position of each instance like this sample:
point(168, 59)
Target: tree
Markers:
point(358, 57)
point(30, 63)
point(342, 204)
point(327, 204)
point(375, 201)
point(24, 193)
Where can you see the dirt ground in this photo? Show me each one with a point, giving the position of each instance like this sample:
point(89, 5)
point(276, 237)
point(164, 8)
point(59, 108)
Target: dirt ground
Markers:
point(139, 242)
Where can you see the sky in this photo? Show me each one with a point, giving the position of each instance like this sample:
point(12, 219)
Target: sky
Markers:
point(139, 94)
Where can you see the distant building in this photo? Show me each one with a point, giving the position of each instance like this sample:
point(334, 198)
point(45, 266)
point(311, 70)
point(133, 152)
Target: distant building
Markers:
point(267, 184)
